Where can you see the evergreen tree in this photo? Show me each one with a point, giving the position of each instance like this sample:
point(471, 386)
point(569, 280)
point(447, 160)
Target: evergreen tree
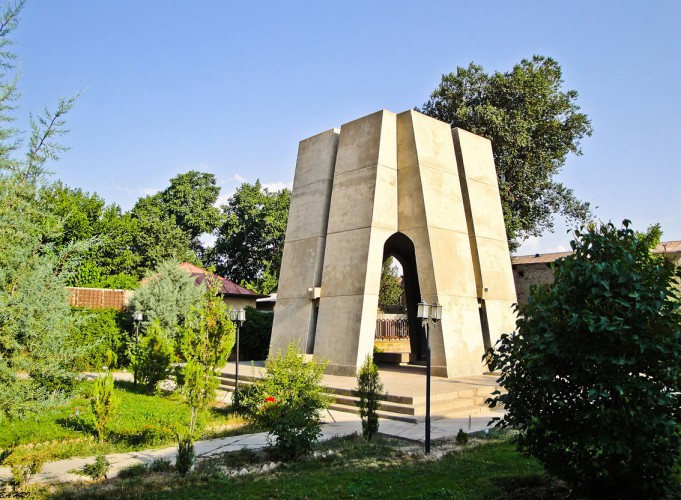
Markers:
point(168, 295)
point(35, 361)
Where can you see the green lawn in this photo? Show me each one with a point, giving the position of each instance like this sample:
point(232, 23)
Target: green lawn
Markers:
point(382, 469)
point(142, 421)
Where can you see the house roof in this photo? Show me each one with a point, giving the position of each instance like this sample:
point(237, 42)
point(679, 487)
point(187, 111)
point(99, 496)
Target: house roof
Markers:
point(226, 287)
point(545, 258)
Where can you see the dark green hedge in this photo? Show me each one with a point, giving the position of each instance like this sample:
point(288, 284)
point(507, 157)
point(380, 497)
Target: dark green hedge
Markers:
point(255, 334)
point(99, 330)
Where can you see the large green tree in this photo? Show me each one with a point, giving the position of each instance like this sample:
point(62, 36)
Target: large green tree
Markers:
point(191, 198)
point(250, 243)
point(158, 237)
point(533, 125)
point(171, 221)
point(35, 360)
point(592, 375)
point(110, 263)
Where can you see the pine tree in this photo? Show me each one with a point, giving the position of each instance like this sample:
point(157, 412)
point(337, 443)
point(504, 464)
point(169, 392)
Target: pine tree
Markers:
point(35, 363)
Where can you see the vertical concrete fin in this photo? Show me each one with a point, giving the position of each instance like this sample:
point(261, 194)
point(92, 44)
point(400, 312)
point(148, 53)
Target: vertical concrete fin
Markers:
point(363, 214)
point(303, 258)
point(489, 244)
point(432, 215)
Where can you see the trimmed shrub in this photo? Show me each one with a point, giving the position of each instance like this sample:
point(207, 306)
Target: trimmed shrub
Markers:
point(103, 403)
point(593, 371)
point(99, 331)
point(150, 360)
point(369, 389)
point(97, 469)
point(186, 456)
point(289, 402)
point(462, 437)
point(255, 335)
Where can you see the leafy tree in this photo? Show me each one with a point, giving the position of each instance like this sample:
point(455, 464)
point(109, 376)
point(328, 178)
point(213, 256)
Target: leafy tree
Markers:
point(86, 217)
point(250, 243)
point(191, 198)
point(593, 371)
point(35, 362)
point(208, 339)
point(390, 291)
point(168, 295)
point(533, 125)
point(158, 237)
point(171, 221)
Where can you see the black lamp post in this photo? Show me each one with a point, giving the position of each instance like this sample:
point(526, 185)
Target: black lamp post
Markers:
point(137, 316)
point(238, 317)
point(429, 314)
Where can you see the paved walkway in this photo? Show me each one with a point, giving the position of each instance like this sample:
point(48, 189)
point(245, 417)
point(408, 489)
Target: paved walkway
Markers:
point(335, 424)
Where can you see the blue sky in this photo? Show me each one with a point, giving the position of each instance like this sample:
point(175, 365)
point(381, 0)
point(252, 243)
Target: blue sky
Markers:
point(231, 88)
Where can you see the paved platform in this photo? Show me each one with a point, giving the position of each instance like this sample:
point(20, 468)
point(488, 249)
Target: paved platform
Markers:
point(402, 380)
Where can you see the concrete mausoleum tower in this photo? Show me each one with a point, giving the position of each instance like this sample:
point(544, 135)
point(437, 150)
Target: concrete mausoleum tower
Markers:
point(403, 185)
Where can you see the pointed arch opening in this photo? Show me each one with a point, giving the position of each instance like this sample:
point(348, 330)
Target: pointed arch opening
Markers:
point(401, 248)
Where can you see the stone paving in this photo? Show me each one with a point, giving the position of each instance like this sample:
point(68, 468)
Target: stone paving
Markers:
point(335, 424)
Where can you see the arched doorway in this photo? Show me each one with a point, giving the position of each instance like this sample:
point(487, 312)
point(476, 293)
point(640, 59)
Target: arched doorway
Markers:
point(401, 248)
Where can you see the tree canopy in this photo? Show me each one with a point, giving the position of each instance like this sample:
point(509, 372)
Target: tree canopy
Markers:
point(533, 125)
point(250, 243)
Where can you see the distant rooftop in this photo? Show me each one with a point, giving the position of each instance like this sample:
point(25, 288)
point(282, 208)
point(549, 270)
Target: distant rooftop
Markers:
point(545, 258)
point(227, 287)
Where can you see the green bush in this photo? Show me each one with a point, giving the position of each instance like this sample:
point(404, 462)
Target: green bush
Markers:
point(150, 359)
point(186, 456)
point(103, 403)
point(255, 334)
point(462, 437)
point(289, 401)
point(592, 373)
point(369, 389)
point(101, 331)
point(97, 469)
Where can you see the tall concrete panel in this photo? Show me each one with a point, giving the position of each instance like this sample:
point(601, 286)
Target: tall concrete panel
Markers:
point(386, 174)
point(301, 267)
point(362, 216)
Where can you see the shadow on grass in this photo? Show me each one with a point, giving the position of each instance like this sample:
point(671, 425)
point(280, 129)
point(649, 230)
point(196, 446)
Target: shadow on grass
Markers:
point(538, 487)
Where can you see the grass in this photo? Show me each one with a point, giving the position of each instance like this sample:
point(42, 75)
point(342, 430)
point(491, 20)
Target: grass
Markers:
point(356, 469)
point(142, 421)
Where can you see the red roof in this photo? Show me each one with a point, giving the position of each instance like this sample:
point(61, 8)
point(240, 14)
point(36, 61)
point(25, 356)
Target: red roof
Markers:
point(226, 287)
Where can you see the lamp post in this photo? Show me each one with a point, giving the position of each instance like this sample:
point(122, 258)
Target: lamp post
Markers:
point(238, 317)
point(137, 316)
point(429, 314)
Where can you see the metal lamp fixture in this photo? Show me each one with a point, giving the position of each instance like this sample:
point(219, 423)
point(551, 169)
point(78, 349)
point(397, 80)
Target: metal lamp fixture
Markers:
point(429, 314)
point(137, 316)
point(238, 316)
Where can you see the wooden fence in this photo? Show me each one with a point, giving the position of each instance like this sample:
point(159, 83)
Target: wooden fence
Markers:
point(392, 329)
point(99, 298)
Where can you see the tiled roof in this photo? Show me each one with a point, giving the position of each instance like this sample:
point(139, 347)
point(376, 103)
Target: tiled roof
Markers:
point(226, 287)
point(545, 258)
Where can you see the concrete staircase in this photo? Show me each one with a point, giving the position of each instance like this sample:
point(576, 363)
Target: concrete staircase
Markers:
point(458, 403)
